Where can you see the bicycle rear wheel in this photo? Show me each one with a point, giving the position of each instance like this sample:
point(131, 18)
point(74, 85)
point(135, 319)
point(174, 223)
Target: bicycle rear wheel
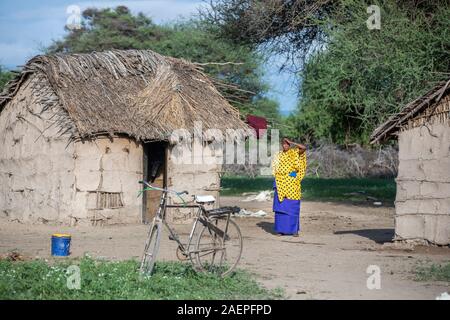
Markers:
point(219, 246)
point(151, 248)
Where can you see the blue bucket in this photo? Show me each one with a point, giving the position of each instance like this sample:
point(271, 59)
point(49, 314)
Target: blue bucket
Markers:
point(60, 244)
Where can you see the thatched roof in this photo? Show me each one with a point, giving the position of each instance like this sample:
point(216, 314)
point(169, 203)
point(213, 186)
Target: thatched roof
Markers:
point(135, 92)
point(411, 110)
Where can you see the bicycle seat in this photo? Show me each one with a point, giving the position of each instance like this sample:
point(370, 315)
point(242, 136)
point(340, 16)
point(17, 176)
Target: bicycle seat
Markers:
point(205, 199)
point(223, 210)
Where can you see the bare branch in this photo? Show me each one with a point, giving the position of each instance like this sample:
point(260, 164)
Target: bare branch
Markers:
point(218, 63)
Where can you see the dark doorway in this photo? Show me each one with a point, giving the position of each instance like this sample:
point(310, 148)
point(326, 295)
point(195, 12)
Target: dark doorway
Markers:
point(155, 172)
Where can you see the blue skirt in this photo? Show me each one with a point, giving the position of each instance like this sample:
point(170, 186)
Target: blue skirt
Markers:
point(287, 215)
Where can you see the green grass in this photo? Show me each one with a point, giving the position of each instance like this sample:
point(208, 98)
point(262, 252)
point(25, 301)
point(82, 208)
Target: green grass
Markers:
point(103, 280)
point(435, 272)
point(319, 189)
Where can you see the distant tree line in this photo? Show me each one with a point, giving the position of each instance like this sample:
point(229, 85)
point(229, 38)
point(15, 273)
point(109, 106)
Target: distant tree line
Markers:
point(5, 76)
point(236, 66)
point(233, 64)
point(352, 78)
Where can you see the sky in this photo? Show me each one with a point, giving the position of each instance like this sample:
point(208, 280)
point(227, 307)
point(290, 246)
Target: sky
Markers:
point(28, 26)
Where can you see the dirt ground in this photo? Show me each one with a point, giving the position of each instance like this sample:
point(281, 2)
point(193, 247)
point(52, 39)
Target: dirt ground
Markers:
point(329, 260)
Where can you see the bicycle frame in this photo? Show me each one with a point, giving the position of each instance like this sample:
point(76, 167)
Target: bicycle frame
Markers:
point(199, 217)
point(212, 223)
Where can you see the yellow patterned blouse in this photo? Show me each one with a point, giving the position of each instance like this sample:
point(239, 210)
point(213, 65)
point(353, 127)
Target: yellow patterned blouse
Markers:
point(283, 164)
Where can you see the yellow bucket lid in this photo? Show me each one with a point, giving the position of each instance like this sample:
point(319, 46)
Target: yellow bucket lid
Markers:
point(61, 235)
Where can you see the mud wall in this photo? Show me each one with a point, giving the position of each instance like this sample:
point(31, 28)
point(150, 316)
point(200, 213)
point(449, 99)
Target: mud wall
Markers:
point(423, 185)
point(195, 168)
point(106, 173)
point(44, 178)
point(36, 163)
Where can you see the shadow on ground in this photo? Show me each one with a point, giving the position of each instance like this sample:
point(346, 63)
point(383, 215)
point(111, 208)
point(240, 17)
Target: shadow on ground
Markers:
point(266, 226)
point(377, 235)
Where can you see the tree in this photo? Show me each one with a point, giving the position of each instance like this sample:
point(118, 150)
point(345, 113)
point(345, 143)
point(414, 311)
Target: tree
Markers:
point(291, 28)
point(232, 65)
point(5, 76)
point(363, 76)
point(352, 78)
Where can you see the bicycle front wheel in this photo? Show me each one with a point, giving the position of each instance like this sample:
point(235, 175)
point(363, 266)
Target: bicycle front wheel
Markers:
point(219, 246)
point(151, 248)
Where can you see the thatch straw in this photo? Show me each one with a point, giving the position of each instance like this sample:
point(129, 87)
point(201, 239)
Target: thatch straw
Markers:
point(138, 93)
point(438, 114)
point(427, 105)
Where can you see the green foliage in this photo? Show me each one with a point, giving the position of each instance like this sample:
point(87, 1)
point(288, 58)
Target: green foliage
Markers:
point(5, 76)
point(104, 280)
point(315, 189)
point(264, 107)
point(434, 272)
point(230, 63)
point(362, 76)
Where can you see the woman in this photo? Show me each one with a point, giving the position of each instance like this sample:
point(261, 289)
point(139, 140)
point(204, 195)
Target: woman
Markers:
point(289, 166)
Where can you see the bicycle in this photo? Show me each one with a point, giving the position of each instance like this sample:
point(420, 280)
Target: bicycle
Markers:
point(218, 246)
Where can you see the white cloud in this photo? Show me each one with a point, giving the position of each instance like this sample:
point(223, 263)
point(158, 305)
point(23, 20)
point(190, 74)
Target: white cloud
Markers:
point(28, 25)
point(14, 54)
point(36, 13)
point(159, 10)
point(33, 26)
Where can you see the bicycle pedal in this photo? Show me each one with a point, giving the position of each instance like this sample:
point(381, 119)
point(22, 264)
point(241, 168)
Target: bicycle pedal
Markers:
point(171, 238)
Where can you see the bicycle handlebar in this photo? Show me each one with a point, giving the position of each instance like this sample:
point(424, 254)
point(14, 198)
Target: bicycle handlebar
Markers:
point(162, 189)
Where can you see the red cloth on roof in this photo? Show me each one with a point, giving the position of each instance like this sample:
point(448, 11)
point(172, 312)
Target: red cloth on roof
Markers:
point(257, 123)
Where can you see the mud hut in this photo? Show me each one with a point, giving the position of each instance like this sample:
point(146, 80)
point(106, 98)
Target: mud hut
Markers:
point(78, 131)
point(422, 206)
